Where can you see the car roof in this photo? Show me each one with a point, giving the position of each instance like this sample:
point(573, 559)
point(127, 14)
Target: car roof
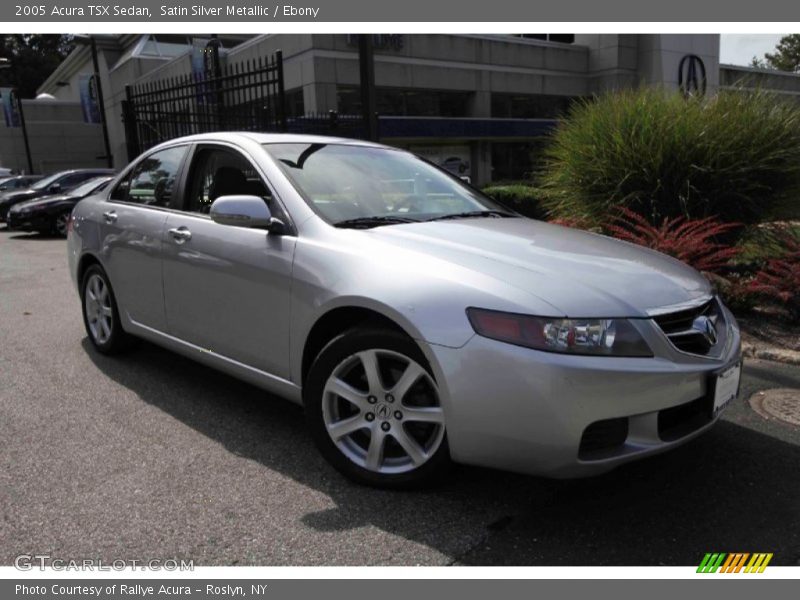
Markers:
point(98, 170)
point(269, 138)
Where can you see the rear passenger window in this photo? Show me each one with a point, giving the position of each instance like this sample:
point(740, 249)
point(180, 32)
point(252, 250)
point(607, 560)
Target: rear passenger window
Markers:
point(70, 181)
point(152, 180)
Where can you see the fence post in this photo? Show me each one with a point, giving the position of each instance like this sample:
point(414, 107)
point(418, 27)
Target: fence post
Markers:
point(131, 127)
point(366, 66)
point(281, 92)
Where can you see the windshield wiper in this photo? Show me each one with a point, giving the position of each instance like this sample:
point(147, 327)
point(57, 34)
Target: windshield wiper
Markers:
point(497, 214)
point(367, 222)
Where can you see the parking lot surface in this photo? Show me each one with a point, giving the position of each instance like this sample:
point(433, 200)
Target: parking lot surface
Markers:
point(152, 456)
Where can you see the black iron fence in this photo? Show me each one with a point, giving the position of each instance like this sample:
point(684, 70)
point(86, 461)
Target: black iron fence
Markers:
point(245, 96)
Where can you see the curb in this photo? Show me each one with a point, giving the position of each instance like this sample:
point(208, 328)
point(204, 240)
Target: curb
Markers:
point(789, 357)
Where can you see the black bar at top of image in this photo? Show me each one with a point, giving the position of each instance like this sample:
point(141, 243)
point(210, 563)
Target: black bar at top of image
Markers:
point(328, 11)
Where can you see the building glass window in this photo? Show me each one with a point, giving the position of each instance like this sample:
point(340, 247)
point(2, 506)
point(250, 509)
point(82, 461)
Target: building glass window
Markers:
point(515, 161)
point(407, 103)
point(562, 38)
point(295, 105)
point(520, 106)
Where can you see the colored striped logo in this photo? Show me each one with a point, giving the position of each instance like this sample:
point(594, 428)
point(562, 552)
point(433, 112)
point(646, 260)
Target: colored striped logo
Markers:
point(735, 562)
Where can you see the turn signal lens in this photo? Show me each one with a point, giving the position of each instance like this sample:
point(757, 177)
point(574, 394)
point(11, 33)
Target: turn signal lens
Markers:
point(602, 337)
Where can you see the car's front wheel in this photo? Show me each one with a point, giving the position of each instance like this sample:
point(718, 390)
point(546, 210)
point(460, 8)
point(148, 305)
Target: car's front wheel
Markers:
point(61, 224)
point(374, 411)
point(100, 312)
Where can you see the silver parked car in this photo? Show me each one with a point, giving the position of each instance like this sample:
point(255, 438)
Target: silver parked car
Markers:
point(417, 320)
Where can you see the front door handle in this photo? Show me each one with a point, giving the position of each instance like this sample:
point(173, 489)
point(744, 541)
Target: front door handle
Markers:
point(180, 234)
point(110, 216)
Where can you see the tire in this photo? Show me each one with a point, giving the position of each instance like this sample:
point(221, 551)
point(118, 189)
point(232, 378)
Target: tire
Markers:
point(385, 430)
point(100, 313)
point(60, 221)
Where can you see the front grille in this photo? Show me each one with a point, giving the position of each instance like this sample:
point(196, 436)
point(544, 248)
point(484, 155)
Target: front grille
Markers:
point(602, 438)
point(679, 421)
point(686, 329)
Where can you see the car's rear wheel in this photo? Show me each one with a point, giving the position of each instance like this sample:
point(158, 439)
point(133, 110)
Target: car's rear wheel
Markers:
point(60, 224)
point(100, 312)
point(374, 411)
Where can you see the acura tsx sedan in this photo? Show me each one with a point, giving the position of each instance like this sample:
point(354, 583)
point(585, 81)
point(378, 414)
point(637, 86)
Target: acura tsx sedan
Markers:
point(418, 321)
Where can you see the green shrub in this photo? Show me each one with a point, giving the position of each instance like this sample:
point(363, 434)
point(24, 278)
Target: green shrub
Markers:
point(735, 155)
point(522, 197)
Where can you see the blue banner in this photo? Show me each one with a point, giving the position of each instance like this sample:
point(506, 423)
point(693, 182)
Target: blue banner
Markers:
point(10, 107)
point(87, 85)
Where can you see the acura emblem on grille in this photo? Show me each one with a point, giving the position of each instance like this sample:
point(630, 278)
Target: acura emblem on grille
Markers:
point(705, 326)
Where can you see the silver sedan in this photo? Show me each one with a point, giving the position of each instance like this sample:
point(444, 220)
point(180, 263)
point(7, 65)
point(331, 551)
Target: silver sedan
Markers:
point(418, 321)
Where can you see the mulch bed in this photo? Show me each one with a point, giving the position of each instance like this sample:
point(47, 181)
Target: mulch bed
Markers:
point(770, 327)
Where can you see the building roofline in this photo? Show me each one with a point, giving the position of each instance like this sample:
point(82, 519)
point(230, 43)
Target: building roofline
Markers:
point(76, 59)
point(759, 71)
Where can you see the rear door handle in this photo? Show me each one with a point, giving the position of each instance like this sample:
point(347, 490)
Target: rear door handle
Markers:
point(180, 234)
point(110, 216)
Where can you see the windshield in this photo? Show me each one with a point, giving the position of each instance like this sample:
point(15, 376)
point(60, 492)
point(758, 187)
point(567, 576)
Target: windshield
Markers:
point(87, 188)
point(46, 182)
point(344, 183)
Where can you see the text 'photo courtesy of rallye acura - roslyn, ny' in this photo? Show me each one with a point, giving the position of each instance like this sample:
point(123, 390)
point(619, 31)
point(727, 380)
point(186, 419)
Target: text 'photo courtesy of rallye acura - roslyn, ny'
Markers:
point(418, 321)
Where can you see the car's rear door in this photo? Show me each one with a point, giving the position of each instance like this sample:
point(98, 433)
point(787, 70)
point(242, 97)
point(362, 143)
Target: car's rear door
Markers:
point(132, 224)
point(227, 289)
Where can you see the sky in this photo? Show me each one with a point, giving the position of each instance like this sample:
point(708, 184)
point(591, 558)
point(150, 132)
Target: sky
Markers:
point(739, 49)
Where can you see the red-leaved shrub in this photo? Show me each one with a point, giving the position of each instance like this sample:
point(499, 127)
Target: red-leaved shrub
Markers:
point(692, 241)
point(779, 279)
point(574, 222)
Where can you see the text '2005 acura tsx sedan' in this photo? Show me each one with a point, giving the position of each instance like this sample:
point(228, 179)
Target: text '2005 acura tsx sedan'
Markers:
point(418, 321)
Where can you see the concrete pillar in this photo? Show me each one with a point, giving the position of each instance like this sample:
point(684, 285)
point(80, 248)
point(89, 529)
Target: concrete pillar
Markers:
point(481, 105)
point(481, 159)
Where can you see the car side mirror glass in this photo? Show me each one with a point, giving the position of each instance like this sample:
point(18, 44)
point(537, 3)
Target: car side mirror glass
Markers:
point(244, 211)
point(54, 188)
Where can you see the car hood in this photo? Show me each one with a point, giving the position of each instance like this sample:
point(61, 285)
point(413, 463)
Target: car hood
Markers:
point(44, 202)
point(580, 274)
point(18, 196)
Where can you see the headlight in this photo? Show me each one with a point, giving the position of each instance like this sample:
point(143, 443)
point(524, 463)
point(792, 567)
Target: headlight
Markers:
point(602, 337)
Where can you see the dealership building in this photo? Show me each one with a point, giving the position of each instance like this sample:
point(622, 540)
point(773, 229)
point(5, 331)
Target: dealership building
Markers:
point(479, 104)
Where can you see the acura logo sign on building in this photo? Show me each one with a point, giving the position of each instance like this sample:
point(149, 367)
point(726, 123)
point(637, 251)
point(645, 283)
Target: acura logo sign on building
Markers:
point(692, 76)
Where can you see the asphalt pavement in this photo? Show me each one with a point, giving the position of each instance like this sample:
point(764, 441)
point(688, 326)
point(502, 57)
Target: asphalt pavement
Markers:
point(152, 456)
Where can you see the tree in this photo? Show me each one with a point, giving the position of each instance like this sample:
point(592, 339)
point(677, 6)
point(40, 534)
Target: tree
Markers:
point(786, 56)
point(33, 58)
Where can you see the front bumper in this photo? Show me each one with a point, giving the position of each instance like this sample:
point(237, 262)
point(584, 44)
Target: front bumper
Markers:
point(558, 415)
point(27, 221)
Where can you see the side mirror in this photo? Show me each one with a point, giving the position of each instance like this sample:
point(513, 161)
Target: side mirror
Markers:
point(245, 211)
point(54, 188)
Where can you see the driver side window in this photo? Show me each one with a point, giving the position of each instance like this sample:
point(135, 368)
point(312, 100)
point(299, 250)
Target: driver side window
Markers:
point(220, 172)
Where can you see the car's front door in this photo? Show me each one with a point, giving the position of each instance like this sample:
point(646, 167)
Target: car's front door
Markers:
point(132, 223)
point(226, 288)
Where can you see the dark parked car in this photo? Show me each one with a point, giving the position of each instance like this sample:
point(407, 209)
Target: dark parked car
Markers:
point(18, 182)
point(50, 214)
point(57, 183)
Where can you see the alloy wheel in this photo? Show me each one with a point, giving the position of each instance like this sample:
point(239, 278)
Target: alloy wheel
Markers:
point(382, 411)
point(61, 223)
point(97, 304)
